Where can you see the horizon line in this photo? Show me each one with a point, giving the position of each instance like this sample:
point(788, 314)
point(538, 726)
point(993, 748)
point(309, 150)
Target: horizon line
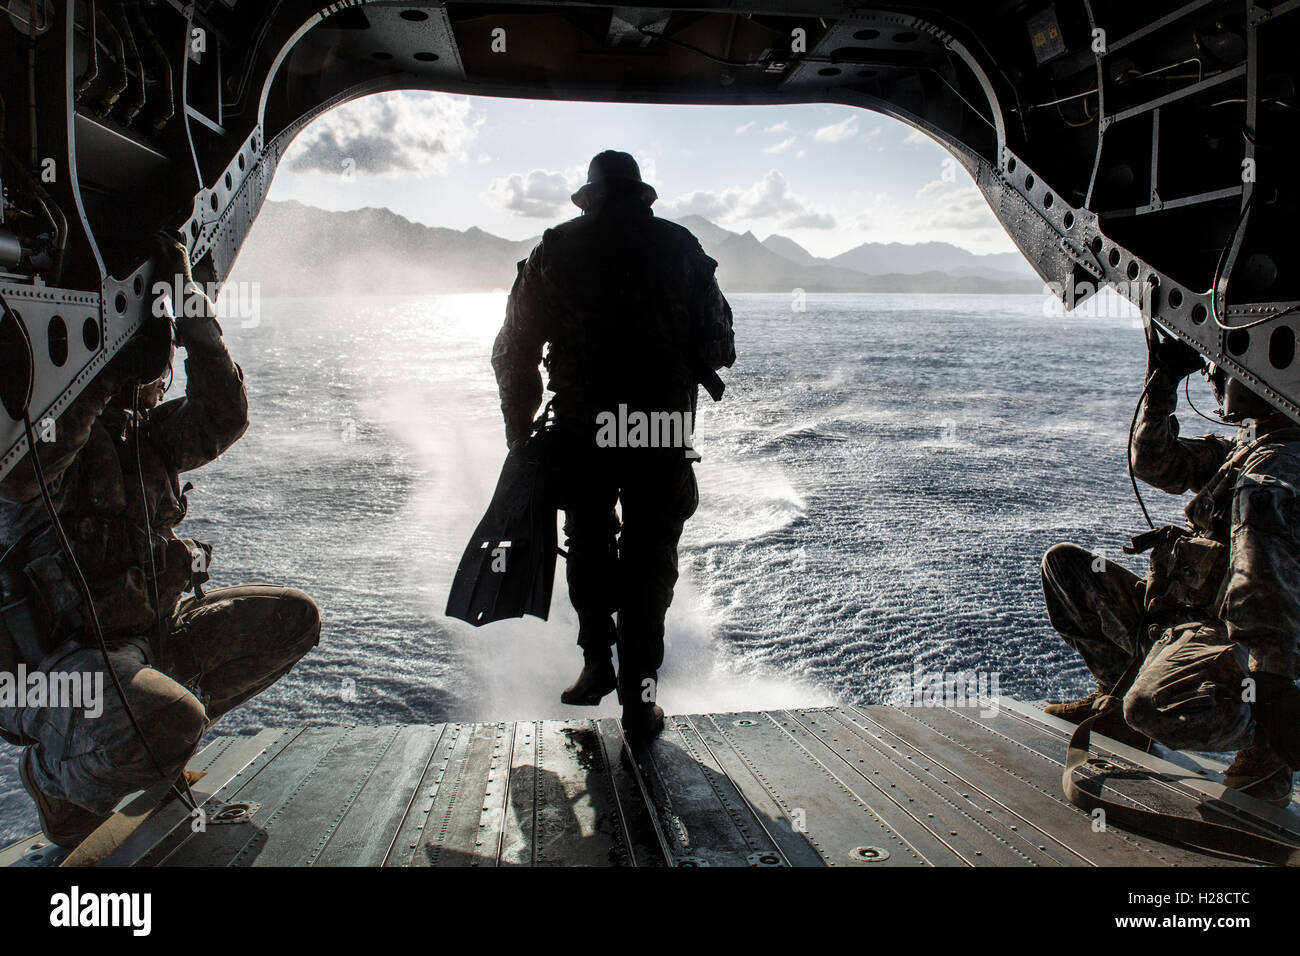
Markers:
point(537, 238)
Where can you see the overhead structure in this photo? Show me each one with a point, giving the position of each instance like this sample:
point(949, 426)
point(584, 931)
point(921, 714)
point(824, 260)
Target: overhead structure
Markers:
point(1145, 146)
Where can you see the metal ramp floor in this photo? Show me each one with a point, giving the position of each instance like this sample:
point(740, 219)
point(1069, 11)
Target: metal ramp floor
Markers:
point(846, 786)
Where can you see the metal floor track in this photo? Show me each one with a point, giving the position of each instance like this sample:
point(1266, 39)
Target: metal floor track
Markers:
point(846, 786)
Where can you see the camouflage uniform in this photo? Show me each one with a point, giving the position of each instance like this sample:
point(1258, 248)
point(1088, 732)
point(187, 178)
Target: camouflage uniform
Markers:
point(632, 311)
point(227, 646)
point(1219, 603)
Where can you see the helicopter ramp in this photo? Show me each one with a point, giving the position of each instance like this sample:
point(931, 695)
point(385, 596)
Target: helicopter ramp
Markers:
point(843, 786)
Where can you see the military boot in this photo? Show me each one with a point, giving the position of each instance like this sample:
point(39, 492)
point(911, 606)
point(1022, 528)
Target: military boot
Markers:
point(643, 719)
point(596, 680)
point(1076, 711)
point(1259, 772)
point(1110, 724)
point(62, 822)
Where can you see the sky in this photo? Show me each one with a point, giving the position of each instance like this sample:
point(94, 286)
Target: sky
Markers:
point(829, 177)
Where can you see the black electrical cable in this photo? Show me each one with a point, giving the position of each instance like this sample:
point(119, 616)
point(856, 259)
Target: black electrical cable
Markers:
point(89, 601)
point(1218, 276)
point(236, 105)
point(1260, 321)
point(160, 624)
point(185, 796)
point(1132, 428)
point(802, 59)
point(702, 52)
point(31, 87)
point(1187, 393)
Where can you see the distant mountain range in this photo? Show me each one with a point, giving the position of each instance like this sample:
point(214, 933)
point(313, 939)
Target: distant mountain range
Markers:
point(297, 249)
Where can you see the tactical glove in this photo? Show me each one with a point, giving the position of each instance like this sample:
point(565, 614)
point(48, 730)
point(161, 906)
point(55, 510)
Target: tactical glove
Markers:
point(192, 331)
point(517, 434)
point(1171, 358)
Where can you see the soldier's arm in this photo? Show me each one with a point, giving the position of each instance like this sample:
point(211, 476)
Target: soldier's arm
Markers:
point(1261, 604)
point(517, 351)
point(720, 336)
point(213, 414)
point(70, 433)
point(1160, 457)
point(710, 311)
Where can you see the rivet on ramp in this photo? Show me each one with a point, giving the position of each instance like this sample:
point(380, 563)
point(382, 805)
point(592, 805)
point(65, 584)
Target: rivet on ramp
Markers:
point(869, 854)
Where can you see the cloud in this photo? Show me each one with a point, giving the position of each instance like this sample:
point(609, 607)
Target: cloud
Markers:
point(780, 147)
point(770, 197)
point(956, 206)
point(810, 220)
point(710, 205)
point(915, 137)
point(838, 132)
point(546, 193)
point(781, 127)
point(539, 194)
point(388, 134)
point(746, 127)
point(649, 169)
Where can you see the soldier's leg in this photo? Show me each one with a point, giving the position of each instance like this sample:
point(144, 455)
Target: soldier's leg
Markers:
point(92, 756)
point(591, 526)
point(243, 638)
point(591, 569)
point(658, 497)
point(586, 490)
point(1095, 606)
point(1189, 693)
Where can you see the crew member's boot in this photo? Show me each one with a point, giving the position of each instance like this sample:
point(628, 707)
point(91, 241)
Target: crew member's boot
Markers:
point(643, 719)
point(1261, 773)
point(63, 823)
point(1110, 724)
point(1076, 711)
point(596, 636)
point(596, 680)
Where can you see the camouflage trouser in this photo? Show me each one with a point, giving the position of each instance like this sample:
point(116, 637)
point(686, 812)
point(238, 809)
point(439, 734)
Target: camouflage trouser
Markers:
point(235, 642)
point(1188, 693)
point(631, 571)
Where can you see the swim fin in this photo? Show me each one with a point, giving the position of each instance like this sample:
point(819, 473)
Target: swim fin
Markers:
point(508, 568)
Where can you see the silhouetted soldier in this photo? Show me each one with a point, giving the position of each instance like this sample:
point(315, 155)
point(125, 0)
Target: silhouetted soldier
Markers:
point(183, 661)
point(1206, 651)
point(635, 321)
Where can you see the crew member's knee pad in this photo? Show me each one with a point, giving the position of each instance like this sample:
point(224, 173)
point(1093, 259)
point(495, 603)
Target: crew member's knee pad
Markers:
point(1142, 714)
point(1061, 556)
point(1188, 694)
point(300, 618)
point(174, 731)
point(1208, 719)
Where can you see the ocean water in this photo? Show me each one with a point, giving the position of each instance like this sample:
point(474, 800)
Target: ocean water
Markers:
point(877, 489)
